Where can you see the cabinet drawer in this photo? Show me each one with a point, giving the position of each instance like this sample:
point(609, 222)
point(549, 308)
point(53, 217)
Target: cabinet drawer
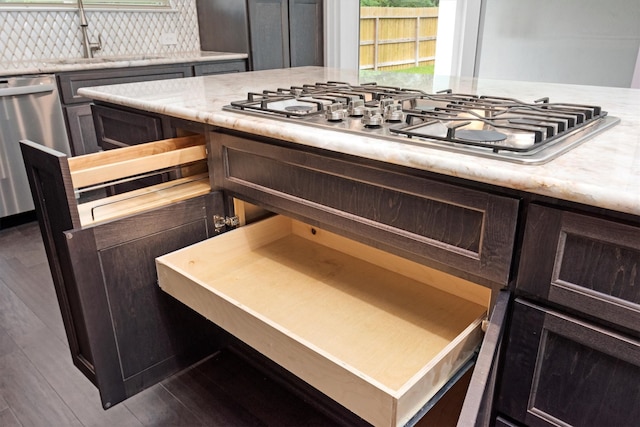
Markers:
point(71, 82)
point(377, 333)
point(449, 227)
point(79, 183)
point(219, 68)
point(563, 371)
point(584, 263)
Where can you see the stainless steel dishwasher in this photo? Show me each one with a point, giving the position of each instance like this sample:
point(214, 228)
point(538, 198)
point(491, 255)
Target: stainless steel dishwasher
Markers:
point(29, 109)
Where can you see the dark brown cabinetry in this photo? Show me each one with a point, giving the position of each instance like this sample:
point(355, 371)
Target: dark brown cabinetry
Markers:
point(117, 128)
point(222, 67)
point(122, 127)
point(560, 369)
point(573, 353)
point(466, 232)
point(77, 109)
point(82, 136)
point(583, 263)
point(123, 332)
point(275, 33)
point(134, 335)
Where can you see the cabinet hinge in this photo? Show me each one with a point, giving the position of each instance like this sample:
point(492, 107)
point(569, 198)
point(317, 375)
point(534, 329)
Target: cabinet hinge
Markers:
point(220, 222)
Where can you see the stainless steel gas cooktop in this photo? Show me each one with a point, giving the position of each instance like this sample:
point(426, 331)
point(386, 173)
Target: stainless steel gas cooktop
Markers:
point(489, 126)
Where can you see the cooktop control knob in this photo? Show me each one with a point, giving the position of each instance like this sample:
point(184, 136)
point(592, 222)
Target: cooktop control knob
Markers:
point(392, 111)
point(372, 117)
point(356, 108)
point(335, 112)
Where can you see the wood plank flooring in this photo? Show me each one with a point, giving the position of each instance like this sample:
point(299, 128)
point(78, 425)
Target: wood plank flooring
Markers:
point(39, 386)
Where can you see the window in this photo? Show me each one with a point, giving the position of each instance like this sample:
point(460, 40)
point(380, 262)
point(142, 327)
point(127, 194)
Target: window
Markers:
point(90, 3)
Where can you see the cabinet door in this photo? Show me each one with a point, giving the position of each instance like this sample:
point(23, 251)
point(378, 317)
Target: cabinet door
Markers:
point(306, 32)
point(120, 128)
point(269, 33)
point(563, 371)
point(137, 335)
point(56, 207)
point(223, 25)
point(82, 132)
point(584, 263)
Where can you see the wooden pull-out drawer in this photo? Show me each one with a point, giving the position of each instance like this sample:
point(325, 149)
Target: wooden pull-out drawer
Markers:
point(80, 181)
point(375, 332)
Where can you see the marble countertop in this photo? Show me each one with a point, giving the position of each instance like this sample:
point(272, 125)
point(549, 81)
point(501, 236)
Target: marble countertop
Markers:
point(57, 65)
point(603, 171)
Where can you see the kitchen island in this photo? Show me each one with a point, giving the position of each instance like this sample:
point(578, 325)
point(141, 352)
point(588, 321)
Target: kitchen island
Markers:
point(603, 172)
point(556, 246)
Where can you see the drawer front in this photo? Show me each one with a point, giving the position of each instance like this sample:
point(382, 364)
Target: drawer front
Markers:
point(219, 68)
point(71, 82)
point(561, 371)
point(462, 231)
point(584, 263)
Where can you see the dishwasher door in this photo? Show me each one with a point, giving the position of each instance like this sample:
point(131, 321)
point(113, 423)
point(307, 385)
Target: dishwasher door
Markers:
point(29, 109)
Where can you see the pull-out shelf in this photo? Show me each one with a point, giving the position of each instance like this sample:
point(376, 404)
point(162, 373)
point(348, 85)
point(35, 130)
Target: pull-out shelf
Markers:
point(375, 332)
point(104, 218)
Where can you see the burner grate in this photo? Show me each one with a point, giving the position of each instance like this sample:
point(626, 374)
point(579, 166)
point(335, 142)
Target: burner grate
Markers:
point(500, 127)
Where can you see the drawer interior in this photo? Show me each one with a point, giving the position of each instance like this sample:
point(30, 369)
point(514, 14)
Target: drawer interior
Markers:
point(176, 168)
point(375, 332)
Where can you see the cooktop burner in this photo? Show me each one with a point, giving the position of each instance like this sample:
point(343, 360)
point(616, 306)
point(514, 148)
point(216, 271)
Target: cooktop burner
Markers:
point(497, 127)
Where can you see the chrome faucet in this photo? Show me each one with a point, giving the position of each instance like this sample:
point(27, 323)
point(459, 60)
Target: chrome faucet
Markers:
point(88, 46)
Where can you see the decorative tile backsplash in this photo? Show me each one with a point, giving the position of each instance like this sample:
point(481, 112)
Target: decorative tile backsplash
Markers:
point(35, 35)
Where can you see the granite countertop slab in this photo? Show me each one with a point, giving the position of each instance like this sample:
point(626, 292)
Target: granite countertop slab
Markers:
point(58, 65)
point(602, 172)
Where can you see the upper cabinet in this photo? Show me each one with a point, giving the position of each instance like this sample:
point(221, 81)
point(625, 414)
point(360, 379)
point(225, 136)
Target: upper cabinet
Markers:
point(275, 33)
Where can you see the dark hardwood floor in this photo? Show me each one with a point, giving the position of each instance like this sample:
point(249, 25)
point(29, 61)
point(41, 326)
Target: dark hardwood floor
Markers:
point(39, 386)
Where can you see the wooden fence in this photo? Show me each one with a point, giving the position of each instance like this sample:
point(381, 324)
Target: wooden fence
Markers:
point(393, 38)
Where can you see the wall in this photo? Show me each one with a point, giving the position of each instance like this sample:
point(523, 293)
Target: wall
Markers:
point(456, 47)
point(591, 42)
point(341, 36)
point(41, 34)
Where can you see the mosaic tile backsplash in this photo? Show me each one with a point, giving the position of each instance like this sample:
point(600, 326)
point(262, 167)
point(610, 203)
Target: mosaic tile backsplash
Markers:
point(35, 35)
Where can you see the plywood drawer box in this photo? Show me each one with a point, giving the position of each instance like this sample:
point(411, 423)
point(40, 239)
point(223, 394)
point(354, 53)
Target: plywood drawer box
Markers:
point(371, 330)
point(186, 155)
